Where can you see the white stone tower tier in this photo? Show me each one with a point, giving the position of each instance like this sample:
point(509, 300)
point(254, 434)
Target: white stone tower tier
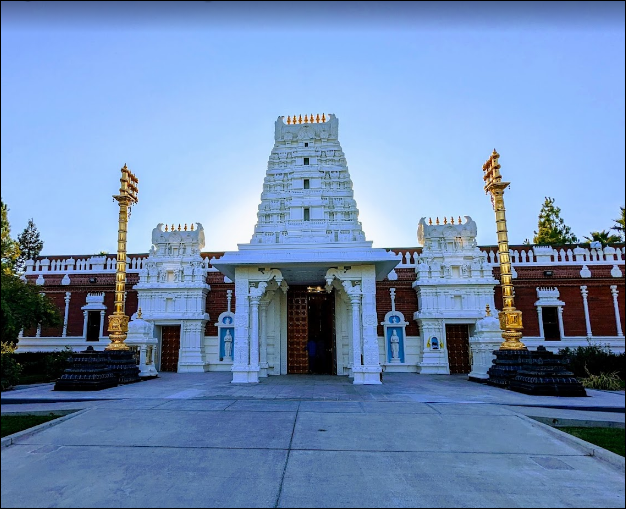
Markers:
point(307, 193)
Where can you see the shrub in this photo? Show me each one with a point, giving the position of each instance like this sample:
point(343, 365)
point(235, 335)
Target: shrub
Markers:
point(41, 367)
point(585, 361)
point(603, 381)
point(10, 367)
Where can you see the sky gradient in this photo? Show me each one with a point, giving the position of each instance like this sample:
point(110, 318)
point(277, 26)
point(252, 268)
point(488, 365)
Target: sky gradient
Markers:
point(187, 94)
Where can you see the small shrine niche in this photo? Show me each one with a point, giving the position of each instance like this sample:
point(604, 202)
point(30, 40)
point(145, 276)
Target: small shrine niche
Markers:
point(226, 331)
point(394, 327)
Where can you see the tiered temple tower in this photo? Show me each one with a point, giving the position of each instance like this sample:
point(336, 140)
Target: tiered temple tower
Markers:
point(307, 192)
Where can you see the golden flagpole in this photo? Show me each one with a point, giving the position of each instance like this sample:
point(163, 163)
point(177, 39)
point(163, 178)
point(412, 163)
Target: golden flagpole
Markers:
point(510, 318)
point(118, 321)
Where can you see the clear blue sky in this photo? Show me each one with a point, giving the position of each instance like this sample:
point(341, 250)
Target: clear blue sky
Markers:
point(187, 94)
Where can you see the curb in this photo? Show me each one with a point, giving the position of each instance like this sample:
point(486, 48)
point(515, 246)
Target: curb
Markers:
point(15, 437)
point(582, 423)
point(614, 460)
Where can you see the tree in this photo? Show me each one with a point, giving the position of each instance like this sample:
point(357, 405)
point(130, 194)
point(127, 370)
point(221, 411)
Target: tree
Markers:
point(21, 304)
point(619, 224)
point(30, 245)
point(23, 307)
point(552, 228)
point(603, 237)
point(10, 250)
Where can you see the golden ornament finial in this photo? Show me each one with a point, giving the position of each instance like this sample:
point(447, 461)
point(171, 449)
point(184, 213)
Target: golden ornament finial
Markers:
point(487, 310)
point(317, 118)
point(191, 226)
point(311, 119)
point(430, 220)
point(288, 119)
point(173, 227)
point(185, 227)
point(437, 220)
point(300, 119)
point(452, 219)
point(323, 117)
point(165, 227)
point(306, 119)
point(178, 226)
point(459, 219)
point(445, 220)
point(139, 313)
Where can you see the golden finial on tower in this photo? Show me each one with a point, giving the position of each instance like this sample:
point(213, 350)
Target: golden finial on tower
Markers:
point(165, 227)
point(311, 119)
point(437, 220)
point(288, 119)
point(306, 119)
point(317, 118)
point(185, 227)
point(178, 226)
point(445, 220)
point(300, 119)
point(459, 219)
point(452, 219)
point(191, 226)
point(323, 117)
point(173, 227)
point(430, 220)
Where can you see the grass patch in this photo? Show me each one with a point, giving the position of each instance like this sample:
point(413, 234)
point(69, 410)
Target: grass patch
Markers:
point(611, 439)
point(14, 423)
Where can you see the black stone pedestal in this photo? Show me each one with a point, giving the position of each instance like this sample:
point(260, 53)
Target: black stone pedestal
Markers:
point(539, 372)
point(122, 363)
point(88, 371)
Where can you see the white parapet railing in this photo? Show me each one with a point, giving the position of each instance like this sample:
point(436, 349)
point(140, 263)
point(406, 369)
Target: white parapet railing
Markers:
point(537, 256)
point(92, 264)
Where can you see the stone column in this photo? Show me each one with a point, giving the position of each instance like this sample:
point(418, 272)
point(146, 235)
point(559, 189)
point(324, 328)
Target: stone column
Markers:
point(241, 343)
point(85, 314)
point(254, 331)
point(559, 314)
point(68, 296)
point(540, 317)
point(584, 293)
point(355, 301)
point(618, 322)
point(101, 333)
point(263, 339)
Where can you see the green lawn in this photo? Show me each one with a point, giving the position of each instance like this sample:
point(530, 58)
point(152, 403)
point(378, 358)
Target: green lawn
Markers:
point(611, 439)
point(14, 423)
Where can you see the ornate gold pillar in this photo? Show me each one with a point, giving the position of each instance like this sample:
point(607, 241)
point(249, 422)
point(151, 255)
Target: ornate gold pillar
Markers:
point(118, 321)
point(510, 318)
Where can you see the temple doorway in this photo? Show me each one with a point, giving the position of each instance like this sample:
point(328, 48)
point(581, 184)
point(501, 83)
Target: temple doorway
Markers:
point(311, 331)
point(457, 337)
point(170, 347)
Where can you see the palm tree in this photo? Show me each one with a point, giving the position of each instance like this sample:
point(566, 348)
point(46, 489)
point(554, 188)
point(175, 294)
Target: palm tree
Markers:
point(603, 237)
point(619, 224)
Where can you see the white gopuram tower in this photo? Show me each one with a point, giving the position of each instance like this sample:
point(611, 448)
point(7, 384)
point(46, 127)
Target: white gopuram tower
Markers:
point(307, 233)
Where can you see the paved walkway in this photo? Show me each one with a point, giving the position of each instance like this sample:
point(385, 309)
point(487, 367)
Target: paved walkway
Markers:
point(196, 440)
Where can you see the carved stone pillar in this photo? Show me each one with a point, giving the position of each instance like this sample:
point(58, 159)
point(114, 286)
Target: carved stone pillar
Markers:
point(101, 333)
point(355, 302)
point(540, 317)
point(618, 322)
point(254, 331)
point(584, 293)
point(68, 296)
point(85, 314)
point(559, 314)
point(263, 338)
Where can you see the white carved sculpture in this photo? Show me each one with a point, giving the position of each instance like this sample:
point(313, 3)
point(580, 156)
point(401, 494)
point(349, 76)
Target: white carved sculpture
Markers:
point(228, 345)
point(395, 347)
